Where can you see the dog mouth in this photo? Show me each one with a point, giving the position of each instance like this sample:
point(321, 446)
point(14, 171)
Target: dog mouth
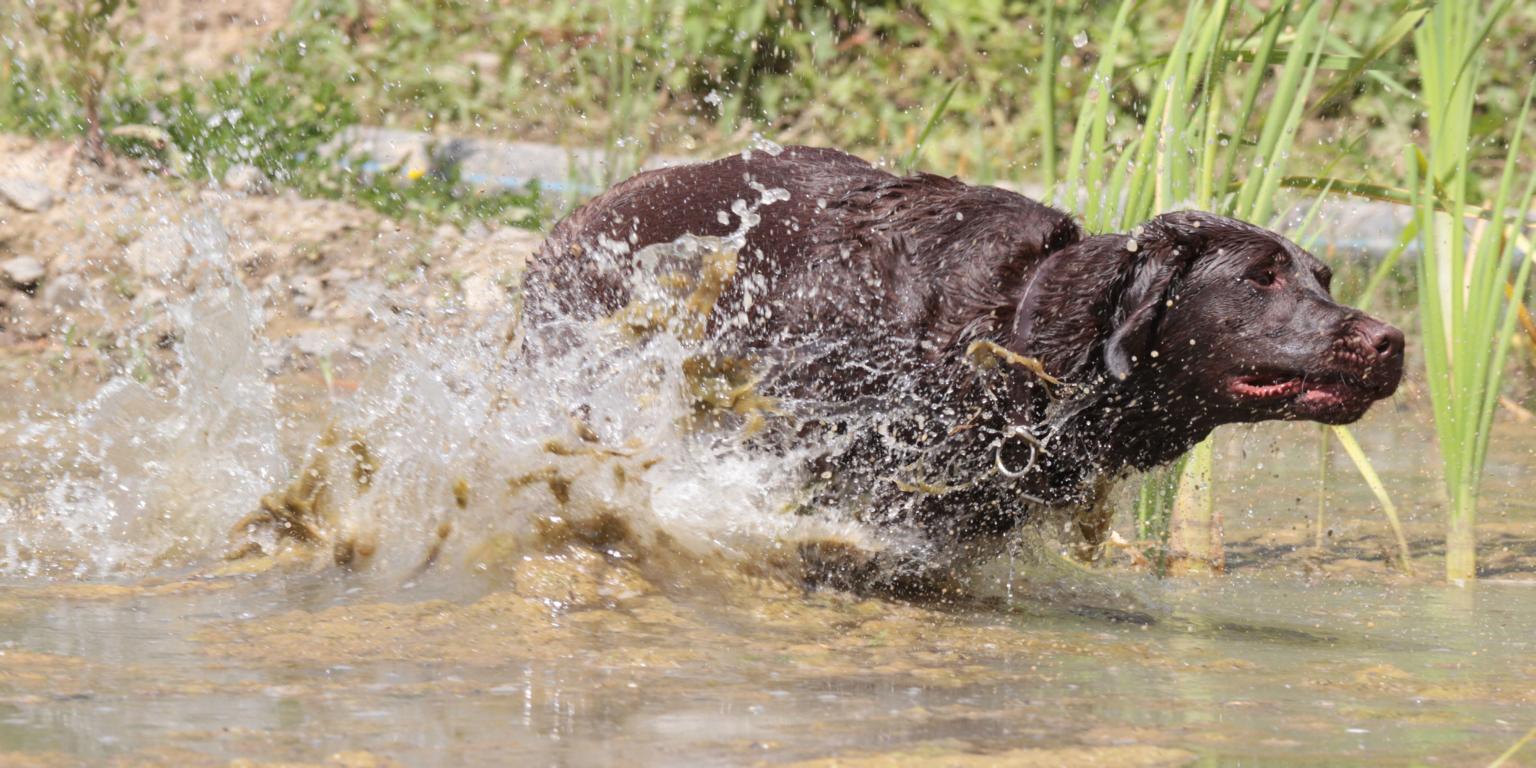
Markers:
point(1268, 386)
point(1307, 394)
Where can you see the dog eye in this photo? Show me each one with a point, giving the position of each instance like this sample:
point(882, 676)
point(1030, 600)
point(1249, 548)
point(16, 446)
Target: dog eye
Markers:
point(1265, 277)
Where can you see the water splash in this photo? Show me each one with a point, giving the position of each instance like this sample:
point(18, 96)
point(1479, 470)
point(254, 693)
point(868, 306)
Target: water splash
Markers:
point(462, 449)
point(456, 451)
point(136, 476)
point(632, 439)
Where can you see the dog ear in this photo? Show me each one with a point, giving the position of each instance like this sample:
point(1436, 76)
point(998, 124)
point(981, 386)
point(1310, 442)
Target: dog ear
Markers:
point(1161, 252)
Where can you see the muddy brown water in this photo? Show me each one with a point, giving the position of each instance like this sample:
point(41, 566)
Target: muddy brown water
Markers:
point(1249, 670)
point(573, 657)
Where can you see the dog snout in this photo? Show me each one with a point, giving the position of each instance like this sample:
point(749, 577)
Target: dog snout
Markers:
point(1376, 347)
point(1380, 341)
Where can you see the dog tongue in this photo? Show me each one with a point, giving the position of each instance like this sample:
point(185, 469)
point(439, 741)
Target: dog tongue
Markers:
point(1322, 392)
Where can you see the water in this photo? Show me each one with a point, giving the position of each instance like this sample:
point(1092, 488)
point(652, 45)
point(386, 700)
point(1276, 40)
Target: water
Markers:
point(1244, 670)
point(472, 562)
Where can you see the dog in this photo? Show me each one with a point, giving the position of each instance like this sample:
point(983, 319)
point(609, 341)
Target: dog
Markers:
point(1018, 363)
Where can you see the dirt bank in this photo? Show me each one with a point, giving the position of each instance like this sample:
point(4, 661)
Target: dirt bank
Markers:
point(91, 260)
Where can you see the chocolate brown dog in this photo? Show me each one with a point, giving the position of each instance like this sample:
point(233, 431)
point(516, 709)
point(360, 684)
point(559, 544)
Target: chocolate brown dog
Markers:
point(1012, 361)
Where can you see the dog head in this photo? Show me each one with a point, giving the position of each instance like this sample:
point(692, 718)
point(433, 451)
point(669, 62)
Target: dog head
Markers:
point(1225, 321)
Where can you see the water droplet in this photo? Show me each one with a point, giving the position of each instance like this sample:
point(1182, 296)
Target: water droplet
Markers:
point(763, 144)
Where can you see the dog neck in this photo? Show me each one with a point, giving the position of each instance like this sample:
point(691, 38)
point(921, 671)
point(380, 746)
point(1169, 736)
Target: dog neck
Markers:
point(1135, 424)
point(1100, 428)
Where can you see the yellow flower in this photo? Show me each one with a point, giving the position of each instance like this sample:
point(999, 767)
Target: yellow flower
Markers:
point(415, 173)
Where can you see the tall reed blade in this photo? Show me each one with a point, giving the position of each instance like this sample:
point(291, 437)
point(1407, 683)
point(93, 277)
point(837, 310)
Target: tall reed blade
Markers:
point(1467, 320)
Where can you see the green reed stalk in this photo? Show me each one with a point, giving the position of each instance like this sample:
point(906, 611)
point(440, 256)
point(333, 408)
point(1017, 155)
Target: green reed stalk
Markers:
point(933, 120)
point(1346, 438)
point(1197, 533)
point(1373, 481)
point(1153, 499)
point(1045, 95)
point(1090, 141)
point(1467, 321)
point(1504, 757)
point(1319, 529)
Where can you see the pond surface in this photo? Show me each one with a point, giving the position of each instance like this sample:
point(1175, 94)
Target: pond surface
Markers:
point(1250, 670)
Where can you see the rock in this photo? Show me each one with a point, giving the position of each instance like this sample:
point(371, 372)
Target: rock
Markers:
point(336, 276)
point(319, 342)
point(510, 248)
point(22, 318)
point(159, 253)
point(25, 194)
point(23, 271)
point(482, 295)
point(149, 297)
point(347, 310)
point(306, 292)
point(476, 230)
point(247, 179)
point(65, 292)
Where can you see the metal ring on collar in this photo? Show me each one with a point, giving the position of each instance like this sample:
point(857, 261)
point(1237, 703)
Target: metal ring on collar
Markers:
point(1034, 452)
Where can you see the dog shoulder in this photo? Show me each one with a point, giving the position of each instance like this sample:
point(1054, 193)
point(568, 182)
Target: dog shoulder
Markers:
point(1026, 226)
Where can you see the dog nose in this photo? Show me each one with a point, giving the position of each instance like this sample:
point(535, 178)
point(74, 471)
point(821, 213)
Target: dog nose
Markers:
point(1384, 339)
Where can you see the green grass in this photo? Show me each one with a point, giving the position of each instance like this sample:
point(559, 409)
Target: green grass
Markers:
point(702, 75)
point(275, 116)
